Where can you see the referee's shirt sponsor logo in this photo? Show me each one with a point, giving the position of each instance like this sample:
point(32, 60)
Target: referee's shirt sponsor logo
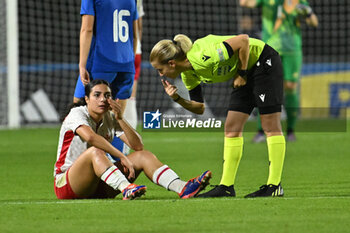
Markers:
point(221, 54)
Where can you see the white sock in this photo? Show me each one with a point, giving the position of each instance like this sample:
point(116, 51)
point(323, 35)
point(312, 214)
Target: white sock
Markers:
point(130, 112)
point(177, 185)
point(130, 115)
point(115, 178)
point(168, 179)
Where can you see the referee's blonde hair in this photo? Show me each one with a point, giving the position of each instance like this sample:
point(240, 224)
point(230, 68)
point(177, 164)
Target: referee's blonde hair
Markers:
point(166, 50)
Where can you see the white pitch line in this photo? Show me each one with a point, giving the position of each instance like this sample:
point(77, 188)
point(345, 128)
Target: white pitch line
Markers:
point(164, 200)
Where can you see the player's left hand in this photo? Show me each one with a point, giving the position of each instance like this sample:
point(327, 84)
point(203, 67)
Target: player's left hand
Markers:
point(116, 108)
point(239, 82)
point(128, 167)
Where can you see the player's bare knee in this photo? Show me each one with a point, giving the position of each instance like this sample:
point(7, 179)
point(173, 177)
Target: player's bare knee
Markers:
point(146, 154)
point(149, 154)
point(272, 130)
point(96, 153)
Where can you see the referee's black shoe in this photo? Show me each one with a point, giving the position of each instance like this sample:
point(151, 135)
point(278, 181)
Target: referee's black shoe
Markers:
point(219, 191)
point(267, 191)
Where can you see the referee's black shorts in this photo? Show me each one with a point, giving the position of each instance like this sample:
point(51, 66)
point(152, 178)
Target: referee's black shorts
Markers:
point(264, 88)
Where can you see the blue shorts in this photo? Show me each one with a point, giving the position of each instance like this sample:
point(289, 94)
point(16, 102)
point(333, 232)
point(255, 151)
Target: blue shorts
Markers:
point(121, 84)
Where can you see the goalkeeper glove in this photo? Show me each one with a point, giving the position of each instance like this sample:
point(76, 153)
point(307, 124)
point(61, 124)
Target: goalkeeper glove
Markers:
point(304, 10)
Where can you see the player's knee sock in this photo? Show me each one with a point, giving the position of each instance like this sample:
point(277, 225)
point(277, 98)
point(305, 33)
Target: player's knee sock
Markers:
point(115, 178)
point(168, 179)
point(130, 114)
point(291, 104)
point(276, 147)
point(233, 149)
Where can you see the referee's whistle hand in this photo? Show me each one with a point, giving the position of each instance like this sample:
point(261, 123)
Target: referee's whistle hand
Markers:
point(170, 89)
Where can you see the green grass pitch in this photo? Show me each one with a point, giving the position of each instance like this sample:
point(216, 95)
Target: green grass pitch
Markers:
point(316, 180)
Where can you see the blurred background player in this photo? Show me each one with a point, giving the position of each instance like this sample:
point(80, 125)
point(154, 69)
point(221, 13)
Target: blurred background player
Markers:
point(257, 79)
point(107, 48)
point(281, 30)
point(130, 109)
point(83, 170)
point(246, 25)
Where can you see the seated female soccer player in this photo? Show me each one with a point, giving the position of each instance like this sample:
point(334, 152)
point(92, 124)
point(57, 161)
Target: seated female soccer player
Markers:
point(257, 79)
point(83, 170)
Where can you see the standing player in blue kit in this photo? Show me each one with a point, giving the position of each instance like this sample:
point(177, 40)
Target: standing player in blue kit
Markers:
point(107, 39)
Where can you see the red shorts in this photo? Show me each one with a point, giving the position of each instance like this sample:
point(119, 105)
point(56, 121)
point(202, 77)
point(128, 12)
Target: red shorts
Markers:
point(137, 66)
point(63, 189)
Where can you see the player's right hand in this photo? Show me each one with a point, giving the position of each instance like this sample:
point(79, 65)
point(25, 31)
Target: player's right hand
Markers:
point(116, 108)
point(128, 167)
point(170, 89)
point(84, 76)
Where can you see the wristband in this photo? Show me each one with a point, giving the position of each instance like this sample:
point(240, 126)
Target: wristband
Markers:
point(177, 99)
point(242, 73)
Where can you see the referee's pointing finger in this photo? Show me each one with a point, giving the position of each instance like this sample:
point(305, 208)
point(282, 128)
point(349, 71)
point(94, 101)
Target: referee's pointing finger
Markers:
point(163, 82)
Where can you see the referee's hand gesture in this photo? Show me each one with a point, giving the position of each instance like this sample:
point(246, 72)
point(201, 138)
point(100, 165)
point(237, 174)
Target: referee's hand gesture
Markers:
point(170, 89)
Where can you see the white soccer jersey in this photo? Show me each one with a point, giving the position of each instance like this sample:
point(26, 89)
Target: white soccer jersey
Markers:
point(71, 146)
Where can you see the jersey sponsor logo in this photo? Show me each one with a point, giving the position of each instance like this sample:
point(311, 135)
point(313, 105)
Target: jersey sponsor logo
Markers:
point(268, 61)
point(151, 120)
point(262, 97)
point(223, 70)
point(205, 57)
point(221, 54)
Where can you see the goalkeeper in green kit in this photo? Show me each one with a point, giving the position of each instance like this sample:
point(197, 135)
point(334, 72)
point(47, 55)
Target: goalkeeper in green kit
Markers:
point(281, 30)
